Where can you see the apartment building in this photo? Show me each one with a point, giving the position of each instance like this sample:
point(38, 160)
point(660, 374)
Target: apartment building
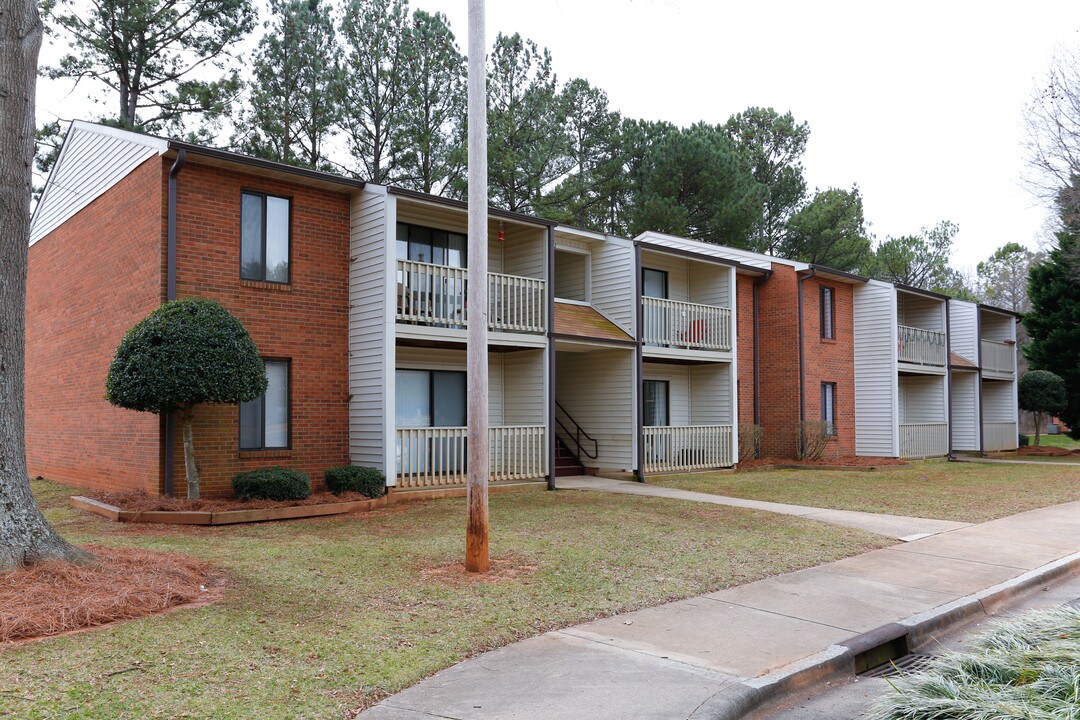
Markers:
point(605, 354)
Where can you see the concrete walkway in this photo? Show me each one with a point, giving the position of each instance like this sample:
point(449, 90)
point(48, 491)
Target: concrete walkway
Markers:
point(717, 655)
point(894, 526)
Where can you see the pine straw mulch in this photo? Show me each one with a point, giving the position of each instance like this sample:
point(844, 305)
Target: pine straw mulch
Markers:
point(850, 461)
point(1047, 451)
point(56, 597)
point(141, 502)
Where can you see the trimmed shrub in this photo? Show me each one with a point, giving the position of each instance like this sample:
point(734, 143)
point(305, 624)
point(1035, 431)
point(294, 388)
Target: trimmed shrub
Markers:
point(272, 483)
point(365, 480)
point(1023, 440)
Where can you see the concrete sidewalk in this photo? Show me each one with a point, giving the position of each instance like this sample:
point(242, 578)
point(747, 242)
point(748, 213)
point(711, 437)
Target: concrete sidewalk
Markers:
point(719, 655)
point(894, 526)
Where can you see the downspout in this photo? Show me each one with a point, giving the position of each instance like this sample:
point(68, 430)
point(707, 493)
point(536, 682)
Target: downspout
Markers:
point(978, 339)
point(170, 294)
point(551, 356)
point(639, 471)
point(802, 351)
point(757, 357)
point(951, 455)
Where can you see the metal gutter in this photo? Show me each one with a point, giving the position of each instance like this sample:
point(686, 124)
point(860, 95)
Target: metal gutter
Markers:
point(824, 270)
point(920, 291)
point(1001, 311)
point(461, 205)
point(254, 162)
point(691, 255)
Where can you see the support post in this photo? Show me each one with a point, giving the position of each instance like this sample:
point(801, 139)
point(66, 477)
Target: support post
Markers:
point(476, 540)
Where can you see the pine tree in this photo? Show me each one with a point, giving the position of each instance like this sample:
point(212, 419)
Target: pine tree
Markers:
point(295, 96)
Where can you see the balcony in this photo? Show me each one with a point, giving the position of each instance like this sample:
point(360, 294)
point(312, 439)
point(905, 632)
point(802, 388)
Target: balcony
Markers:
point(672, 448)
point(436, 456)
point(922, 347)
point(921, 440)
point(998, 357)
point(672, 323)
point(435, 295)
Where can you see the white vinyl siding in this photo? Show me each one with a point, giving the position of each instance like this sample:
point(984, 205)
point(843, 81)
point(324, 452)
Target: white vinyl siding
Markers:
point(525, 252)
point(998, 404)
point(613, 283)
point(997, 327)
point(92, 160)
point(596, 389)
point(368, 330)
point(572, 276)
point(963, 329)
point(918, 311)
point(965, 410)
point(922, 399)
point(875, 370)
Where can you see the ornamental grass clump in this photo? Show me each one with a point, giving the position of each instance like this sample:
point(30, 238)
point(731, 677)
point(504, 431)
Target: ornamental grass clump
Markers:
point(1027, 668)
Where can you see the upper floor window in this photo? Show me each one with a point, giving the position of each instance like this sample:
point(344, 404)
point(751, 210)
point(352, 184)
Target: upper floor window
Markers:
point(264, 422)
point(264, 237)
point(828, 329)
point(428, 245)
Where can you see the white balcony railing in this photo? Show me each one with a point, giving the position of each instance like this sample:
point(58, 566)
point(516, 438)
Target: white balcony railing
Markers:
point(919, 440)
point(436, 295)
point(998, 356)
point(999, 436)
point(922, 347)
point(436, 456)
point(687, 325)
point(673, 448)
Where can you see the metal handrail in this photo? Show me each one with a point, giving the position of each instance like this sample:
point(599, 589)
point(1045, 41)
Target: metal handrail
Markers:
point(576, 434)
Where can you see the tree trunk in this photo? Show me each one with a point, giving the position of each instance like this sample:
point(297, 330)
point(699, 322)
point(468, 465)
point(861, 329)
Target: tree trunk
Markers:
point(25, 536)
point(1038, 426)
point(191, 470)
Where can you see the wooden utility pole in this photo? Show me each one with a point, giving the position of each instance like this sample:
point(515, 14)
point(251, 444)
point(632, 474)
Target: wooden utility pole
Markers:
point(476, 540)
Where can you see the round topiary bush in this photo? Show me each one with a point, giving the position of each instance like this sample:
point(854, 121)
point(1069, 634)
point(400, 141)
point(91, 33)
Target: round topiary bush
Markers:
point(365, 480)
point(272, 483)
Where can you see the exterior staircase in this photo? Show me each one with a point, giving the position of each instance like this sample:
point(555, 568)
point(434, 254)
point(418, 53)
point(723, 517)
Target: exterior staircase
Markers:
point(566, 463)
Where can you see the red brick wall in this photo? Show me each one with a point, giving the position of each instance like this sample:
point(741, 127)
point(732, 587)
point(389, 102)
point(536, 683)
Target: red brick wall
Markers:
point(825, 360)
point(307, 321)
point(89, 281)
point(831, 360)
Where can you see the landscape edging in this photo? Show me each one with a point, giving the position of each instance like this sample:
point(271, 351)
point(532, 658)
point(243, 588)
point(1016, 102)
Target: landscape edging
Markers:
point(223, 517)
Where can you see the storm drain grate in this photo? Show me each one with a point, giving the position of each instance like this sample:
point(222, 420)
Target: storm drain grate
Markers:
point(911, 663)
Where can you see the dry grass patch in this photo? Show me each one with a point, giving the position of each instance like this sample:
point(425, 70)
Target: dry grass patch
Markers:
point(967, 492)
point(119, 584)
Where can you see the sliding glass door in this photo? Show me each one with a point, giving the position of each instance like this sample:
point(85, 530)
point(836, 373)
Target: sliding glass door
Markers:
point(431, 399)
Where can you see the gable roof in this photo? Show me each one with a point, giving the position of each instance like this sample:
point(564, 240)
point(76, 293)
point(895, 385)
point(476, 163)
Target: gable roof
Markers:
point(92, 160)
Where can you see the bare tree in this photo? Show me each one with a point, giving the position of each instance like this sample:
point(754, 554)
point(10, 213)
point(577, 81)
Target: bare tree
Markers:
point(25, 535)
point(1052, 137)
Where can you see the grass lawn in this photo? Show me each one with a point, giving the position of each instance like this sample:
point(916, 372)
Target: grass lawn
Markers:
point(1062, 441)
point(968, 492)
point(323, 616)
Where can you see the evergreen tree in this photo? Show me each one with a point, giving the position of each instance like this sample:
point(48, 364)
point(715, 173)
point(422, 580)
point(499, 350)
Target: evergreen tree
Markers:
point(1053, 323)
point(526, 119)
point(295, 95)
point(376, 82)
point(592, 146)
point(693, 183)
point(429, 136)
point(829, 230)
point(772, 146)
point(152, 54)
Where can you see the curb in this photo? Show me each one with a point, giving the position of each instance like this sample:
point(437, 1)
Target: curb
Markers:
point(744, 697)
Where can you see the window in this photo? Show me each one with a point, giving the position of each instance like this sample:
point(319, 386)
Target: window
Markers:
point(828, 331)
point(264, 237)
point(654, 283)
point(430, 398)
point(828, 406)
point(438, 247)
point(264, 422)
point(656, 403)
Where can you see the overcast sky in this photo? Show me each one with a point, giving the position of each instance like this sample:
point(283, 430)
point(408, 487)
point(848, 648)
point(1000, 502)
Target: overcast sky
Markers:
point(920, 104)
